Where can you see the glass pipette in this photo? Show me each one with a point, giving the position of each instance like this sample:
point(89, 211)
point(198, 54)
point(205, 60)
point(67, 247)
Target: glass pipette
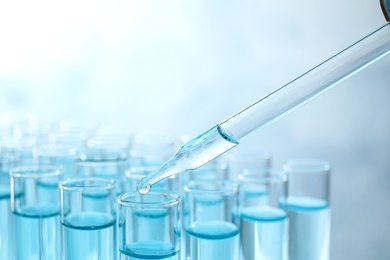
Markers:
point(276, 105)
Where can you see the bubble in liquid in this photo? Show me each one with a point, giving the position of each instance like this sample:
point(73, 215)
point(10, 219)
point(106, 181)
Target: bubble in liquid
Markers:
point(143, 188)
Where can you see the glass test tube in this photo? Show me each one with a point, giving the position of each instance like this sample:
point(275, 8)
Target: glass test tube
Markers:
point(148, 226)
point(239, 160)
point(151, 150)
point(61, 155)
point(88, 218)
point(212, 224)
point(264, 223)
point(104, 165)
point(247, 122)
point(308, 208)
point(35, 205)
point(9, 159)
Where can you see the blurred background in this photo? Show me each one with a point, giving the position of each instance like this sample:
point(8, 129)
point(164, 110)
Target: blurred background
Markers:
point(180, 67)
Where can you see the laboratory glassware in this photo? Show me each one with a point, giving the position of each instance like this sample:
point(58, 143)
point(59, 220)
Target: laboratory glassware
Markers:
point(240, 159)
point(229, 133)
point(308, 208)
point(211, 222)
point(264, 222)
point(9, 159)
point(149, 226)
point(35, 204)
point(61, 155)
point(136, 173)
point(88, 218)
point(104, 165)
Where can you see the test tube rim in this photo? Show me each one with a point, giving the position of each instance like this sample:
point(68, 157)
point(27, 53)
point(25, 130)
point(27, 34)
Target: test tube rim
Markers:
point(38, 171)
point(306, 165)
point(123, 200)
point(90, 158)
point(271, 174)
point(54, 150)
point(233, 186)
point(106, 184)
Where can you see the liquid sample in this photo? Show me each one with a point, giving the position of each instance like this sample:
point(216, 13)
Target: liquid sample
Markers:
point(209, 207)
point(89, 235)
point(152, 249)
point(6, 224)
point(95, 200)
point(37, 233)
point(191, 155)
point(255, 195)
point(309, 221)
point(212, 240)
point(264, 233)
point(151, 224)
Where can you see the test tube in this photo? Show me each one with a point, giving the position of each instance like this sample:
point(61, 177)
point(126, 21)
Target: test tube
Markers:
point(212, 223)
point(151, 150)
point(61, 155)
point(35, 205)
point(88, 218)
point(264, 223)
point(6, 222)
point(252, 119)
point(104, 165)
point(9, 159)
point(110, 139)
point(238, 160)
point(308, 208)
point(148, 226)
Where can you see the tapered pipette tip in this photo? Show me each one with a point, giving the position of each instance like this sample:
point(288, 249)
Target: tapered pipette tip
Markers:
point(143, 188)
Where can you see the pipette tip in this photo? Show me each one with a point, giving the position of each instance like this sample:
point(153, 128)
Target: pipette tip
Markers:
point(143, 188)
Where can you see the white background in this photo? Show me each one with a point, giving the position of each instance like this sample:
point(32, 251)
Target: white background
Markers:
point(183, 66)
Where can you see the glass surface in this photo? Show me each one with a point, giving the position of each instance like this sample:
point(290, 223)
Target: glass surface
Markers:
point(104, 165)
point(35, 205)
point(264, 224)
point(211, 220)
point(308, 208)
point(149, 226)
point(88, 218)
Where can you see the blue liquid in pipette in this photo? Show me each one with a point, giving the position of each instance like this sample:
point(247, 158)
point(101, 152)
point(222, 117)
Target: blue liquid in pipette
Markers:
point(264, 232)
point(89, 235)
point(191, 155)
point(209, 240)
point(309, 221)
point(37, 232)
point(153, 249)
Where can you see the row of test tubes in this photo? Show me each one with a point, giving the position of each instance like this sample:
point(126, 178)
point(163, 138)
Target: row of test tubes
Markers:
point(77, 199)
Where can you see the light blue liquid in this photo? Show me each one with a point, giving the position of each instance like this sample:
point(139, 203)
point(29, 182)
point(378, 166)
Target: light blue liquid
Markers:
point(264, 233)
point(152, 249)
point(89, 235)
point(309, 228)
point(210, 240)
point(255, 195)
point(6, 225)
point(209, 207)
point(37, 233)
point(152, 224)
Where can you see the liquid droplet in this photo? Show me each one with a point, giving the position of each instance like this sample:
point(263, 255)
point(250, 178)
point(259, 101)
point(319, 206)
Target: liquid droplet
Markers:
point(143, 188)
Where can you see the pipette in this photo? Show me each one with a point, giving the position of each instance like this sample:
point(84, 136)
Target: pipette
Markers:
point(229, 133)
